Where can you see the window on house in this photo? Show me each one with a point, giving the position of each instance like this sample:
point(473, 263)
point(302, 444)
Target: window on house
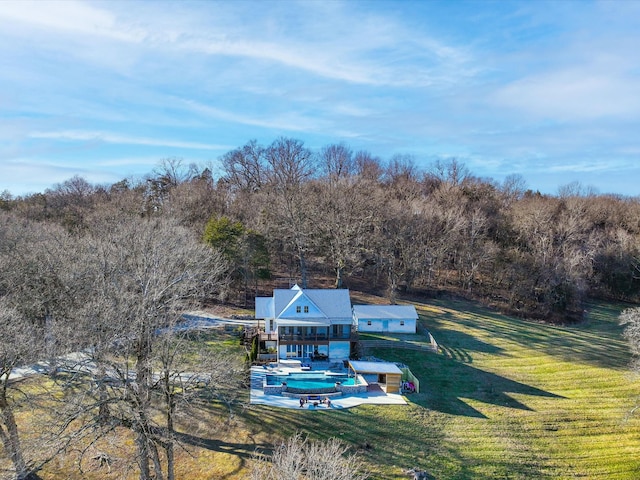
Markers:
point(306, 309)
point(402, 323)
point(298, 309)
point(369, 322)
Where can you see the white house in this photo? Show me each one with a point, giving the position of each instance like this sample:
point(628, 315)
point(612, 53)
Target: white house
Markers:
point(301, 323)
point(385, 318)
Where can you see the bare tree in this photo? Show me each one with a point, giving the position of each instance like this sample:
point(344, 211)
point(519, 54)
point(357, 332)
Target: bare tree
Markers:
point(170, 173)
point(450, 173)
point(19, 343)
point(513, 187)
point(475, 250)
point(33, 295)
point(245, 167)
point(6, 200)
point(337, 162)
point(194, 201)
point(187, 369)
point(302, 459)
point(345, 207)
point(146, 273)
point(368, 167)
point(291, 165)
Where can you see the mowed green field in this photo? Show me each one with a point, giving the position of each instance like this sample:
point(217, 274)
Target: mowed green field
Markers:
point(503, 398)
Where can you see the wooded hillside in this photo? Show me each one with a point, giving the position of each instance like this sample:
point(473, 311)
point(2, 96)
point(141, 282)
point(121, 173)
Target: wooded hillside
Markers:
point(283, 213)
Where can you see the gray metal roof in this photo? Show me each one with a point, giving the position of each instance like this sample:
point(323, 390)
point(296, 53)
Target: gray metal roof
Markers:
point(371, 312)
point(332, 303)
point(264, 307)
point(374, 367)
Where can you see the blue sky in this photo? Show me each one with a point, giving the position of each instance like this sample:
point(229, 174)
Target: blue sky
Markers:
point(105, 90)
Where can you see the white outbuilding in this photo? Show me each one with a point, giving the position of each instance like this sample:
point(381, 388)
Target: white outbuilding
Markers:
point(385, 318)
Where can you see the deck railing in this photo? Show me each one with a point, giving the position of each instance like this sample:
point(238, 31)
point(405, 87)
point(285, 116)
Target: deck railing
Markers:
point(314, 337)
point(271, 336)
point(302, 337)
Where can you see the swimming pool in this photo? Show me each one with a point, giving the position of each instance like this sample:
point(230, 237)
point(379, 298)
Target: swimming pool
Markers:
point(311, 382)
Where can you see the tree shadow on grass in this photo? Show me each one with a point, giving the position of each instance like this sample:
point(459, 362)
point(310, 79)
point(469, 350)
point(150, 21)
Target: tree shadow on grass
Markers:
point(241, 450)
point(447, 389)
point(596, 341)
point(458, 345)
point(391, 439)
point(381, 435)
point(447, 381)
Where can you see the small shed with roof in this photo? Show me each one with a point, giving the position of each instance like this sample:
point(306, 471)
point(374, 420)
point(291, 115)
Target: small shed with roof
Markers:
point(385, 318)
point(386, 374)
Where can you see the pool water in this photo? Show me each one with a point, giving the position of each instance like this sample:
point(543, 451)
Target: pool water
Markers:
point(310, 381)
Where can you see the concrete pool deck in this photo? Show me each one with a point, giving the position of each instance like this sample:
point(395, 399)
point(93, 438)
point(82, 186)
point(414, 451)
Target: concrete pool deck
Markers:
point(258, 397)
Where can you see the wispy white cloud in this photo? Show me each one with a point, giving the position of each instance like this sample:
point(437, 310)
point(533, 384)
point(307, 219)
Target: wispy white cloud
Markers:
point(610, 165)
point(377, 50)
point(576, 94)
point(584, 69)
point(69, 16)
point(277, 121)
point(286, 55)
point(81, 135)
point(353, 110)
point(30, 175)
point(146, 161)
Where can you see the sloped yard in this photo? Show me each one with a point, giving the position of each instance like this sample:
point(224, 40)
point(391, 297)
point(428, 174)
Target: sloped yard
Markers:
point(503, 398)
point(526, 400)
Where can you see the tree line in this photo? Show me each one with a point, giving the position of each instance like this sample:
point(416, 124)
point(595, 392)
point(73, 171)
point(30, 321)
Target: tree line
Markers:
point(285, 211)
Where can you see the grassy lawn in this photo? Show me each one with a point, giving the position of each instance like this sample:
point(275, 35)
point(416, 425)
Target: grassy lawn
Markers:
point(503, 398)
